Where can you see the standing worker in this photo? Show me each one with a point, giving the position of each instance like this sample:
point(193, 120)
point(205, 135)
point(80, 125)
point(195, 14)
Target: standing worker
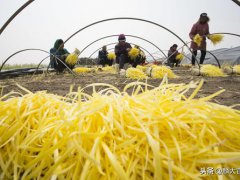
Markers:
point(58, 52)
point(121, 51)
point(201, 28)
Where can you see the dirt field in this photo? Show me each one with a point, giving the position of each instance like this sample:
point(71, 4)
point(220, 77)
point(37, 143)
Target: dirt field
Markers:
point(60, 84)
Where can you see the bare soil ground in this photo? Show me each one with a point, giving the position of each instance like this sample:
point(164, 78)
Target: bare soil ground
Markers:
point(60, 84)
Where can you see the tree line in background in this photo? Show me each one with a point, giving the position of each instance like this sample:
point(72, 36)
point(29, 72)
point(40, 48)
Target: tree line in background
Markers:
point(88, 61)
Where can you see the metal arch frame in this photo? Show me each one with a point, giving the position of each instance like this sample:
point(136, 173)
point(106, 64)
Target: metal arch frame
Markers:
point(124, 18)
point(226, 33)
point(34, 49)
point(215, 58)
point(105, 37)
point(116, 43)
point(233, 34)
point(134, 19)
point(96, 51)
point(147, 61)
point(237, 2)
point(177, 50)
point(14, 15)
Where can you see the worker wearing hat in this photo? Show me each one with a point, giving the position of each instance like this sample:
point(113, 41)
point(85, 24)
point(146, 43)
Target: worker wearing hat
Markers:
point(121, 51)
point(201, 27)
point(58, 52)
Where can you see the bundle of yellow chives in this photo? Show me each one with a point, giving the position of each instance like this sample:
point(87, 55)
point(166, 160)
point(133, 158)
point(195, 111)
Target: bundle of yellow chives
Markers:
point(180, 57)
point(73, 58)
point(134, 73)
point(211, 71)
point(133, 53)
point(143, 68)
point(108, 69)
point(197, 39)
point(236, 69)
point(111, 56)
point(215, 38)
point(160, 72)
point(82, 70)
point(153, 133)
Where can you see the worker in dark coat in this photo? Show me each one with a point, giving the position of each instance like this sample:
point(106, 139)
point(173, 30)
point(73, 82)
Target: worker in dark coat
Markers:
point(121, 51)
point(58, 52)
point(103, 57)
point(172, 54)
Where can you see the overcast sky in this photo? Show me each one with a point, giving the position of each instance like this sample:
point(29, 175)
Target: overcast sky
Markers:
point(44, 21)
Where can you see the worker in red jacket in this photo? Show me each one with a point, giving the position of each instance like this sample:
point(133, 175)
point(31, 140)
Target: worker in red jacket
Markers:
point(201, 27)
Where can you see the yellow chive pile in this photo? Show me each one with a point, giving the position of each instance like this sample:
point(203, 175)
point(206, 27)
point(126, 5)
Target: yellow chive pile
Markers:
point(111, 56)
point(157, 133)
point(180, 57)
point(160, 72)
point(236, 69)
point(135, 73)
point(143, 68)
point(197, 39)
point(134, 53)
point(82, 70)
point(215, 38)
point(211, 71)
point(109, 69)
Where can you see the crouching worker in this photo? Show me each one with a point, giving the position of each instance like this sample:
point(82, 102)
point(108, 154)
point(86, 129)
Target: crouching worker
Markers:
point(121, 51)
point(140, 59)
point(172, 54)
point(103, 57)
point(58, 52)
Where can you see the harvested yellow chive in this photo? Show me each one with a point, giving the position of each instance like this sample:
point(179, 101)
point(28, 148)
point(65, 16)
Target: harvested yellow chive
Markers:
point(215, 38)
point(111, 56)
point(197, 39)
point(153, 132)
